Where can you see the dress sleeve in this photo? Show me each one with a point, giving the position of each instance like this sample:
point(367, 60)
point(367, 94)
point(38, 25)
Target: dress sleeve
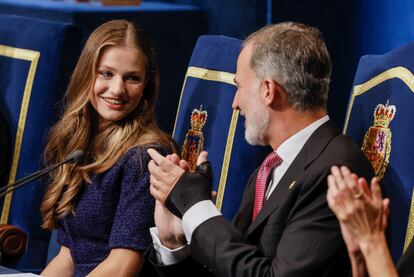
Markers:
point(135, 211)
point(63, 237)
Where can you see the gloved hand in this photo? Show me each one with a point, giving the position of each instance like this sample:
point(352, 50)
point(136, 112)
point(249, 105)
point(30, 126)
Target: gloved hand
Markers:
point(190, 189)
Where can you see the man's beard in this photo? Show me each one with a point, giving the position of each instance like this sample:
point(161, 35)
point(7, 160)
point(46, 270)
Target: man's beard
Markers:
point(256, 124)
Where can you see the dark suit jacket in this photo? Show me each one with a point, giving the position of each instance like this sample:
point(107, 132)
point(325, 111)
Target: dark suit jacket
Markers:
point(405, 265)
point(295, 234)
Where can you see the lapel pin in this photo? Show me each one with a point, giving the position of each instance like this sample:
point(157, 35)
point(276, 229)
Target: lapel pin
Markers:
point(292, 184)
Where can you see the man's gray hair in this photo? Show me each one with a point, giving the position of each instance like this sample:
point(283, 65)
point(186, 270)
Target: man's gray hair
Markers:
point(295, 56)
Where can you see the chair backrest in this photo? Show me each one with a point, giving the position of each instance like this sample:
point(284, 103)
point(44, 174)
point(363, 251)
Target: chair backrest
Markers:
point(209, 83)
point(35, 59)
point(5, 149)
point(380, 118)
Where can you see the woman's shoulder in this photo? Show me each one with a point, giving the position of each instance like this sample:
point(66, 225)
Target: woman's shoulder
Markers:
point(141, 150)
point(138, 154)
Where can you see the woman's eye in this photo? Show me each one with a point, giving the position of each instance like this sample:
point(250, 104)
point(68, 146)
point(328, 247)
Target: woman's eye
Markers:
point(105, 74)
point(133, 79)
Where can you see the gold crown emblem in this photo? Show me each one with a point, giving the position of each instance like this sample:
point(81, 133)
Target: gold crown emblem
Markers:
point(198, 119)
point(194, 139)
point(383, 115)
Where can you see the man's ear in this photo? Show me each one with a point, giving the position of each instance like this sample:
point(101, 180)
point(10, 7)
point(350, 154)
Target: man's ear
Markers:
point(272, 92)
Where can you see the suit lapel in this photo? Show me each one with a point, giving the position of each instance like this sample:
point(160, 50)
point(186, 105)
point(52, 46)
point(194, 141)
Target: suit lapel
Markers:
point(310, 151)
point(243, 217)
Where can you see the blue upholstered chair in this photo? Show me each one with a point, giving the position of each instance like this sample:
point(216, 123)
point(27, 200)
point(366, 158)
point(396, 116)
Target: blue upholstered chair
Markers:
point(380, 118)
point(36, 58)
point(5, 150)
point(209, 84)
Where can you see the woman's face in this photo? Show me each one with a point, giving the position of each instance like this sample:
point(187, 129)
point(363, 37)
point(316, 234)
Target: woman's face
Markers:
point(119, 84)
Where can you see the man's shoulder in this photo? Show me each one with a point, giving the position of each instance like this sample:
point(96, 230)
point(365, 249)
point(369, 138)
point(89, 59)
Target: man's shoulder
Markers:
point(341, 150)
point(341, 141)
point(344, 147)
point(328, 145)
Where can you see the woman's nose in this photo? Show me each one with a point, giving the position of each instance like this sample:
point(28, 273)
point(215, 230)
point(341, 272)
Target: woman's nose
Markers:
point(117, 86)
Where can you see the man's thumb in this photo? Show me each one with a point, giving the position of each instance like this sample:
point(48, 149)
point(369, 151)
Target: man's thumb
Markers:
point(202, 158)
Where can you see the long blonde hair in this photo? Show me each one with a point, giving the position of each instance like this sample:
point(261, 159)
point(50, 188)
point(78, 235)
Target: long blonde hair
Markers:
point(77, 128)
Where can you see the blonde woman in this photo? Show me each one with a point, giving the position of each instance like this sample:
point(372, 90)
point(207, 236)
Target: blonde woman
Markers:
point(102, 207)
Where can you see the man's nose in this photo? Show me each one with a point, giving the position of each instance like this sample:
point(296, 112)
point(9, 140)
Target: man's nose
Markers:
point(235, 105)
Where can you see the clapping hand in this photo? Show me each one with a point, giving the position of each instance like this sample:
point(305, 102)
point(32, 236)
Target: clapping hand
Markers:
point(165, 172)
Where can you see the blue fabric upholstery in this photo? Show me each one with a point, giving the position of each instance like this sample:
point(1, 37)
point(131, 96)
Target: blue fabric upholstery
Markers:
point(35, 56)
point(381, 79)
point(209, 82)
point(5, 149)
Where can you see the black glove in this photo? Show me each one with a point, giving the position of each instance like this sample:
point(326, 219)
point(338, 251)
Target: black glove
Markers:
point(190, 189)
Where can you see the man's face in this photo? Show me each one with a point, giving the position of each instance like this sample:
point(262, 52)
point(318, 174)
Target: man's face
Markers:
point(248, 100)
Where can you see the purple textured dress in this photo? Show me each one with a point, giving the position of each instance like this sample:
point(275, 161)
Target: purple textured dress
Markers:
point(114, 211)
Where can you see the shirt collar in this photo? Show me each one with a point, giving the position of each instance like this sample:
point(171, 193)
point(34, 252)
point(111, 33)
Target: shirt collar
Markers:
point(290, 148)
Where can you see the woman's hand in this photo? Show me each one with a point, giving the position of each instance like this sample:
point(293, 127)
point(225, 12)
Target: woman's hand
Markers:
point(363, 211)
point(120, 262)
point(363, 216)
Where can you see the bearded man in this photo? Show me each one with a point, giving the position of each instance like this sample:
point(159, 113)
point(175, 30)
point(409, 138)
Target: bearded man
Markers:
point(284, 226)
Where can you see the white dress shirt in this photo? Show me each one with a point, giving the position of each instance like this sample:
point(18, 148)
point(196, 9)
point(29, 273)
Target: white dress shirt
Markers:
point(206, 209)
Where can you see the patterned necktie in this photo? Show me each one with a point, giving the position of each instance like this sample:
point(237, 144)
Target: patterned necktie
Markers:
point(271, 161)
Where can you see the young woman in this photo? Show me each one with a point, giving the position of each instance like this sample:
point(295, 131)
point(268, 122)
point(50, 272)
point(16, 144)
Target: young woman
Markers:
point(102, 206)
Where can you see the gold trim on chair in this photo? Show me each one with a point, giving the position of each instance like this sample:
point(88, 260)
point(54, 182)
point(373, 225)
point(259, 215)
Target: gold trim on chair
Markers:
point(224, 77)
point(33, 58)
point(407, 77)
point(226, 159)
point(410, 227)
point(399, 72)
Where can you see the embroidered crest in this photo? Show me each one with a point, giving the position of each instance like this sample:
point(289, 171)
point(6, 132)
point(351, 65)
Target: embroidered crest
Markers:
point(193, 143)
point(377, 140)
